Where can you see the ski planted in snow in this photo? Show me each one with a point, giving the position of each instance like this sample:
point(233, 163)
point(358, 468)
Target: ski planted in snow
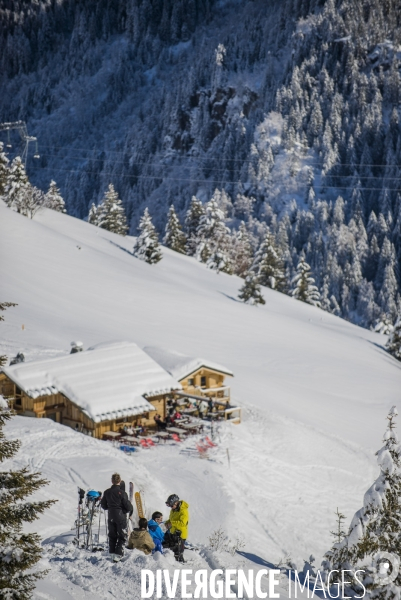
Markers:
point(131, 499)
point(139, 507)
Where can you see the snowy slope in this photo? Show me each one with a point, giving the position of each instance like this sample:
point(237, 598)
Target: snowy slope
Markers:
point(316, 388)
point(75, 281)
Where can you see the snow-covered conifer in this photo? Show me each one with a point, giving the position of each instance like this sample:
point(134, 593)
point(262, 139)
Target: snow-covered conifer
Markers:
point(241, 251)
point(174, 236)
point(111, 213)
point(304, 288)
point(193, 216)
point(92, 216)
point(268, 266)
point(250, 292)
point(375, 527)
point(394, 342)
point(30, 199)
point(19, 550)
point(147, 246)
point(214, 239)
point(53, 198)
point(4, 170)
point(384, 325)
point(17, 183)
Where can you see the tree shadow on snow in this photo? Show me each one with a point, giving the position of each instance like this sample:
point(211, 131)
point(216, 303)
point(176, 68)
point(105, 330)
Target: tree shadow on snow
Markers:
point(230, 297)
point(258, 560)
point(121, 247)
point(390, 359)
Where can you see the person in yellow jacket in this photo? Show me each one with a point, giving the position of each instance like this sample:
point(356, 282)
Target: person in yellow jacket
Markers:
point(177, 526)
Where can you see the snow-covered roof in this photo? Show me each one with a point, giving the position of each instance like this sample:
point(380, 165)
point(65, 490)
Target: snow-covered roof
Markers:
point(179, 365)
point(107, 381)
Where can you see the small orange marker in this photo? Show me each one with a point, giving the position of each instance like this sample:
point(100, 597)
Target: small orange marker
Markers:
point(23, 327)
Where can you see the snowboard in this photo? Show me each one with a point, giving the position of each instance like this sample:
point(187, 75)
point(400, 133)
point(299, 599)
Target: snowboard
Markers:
point(139, 507)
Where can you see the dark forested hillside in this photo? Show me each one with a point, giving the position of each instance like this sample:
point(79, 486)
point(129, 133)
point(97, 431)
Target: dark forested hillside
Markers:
point(290, 106)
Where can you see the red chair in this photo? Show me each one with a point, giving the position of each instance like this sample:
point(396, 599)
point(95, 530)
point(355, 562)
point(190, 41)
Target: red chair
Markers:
point(150, 442)
point(176, 437)
point(209, 442)
point(143, 443)
point(201, 448)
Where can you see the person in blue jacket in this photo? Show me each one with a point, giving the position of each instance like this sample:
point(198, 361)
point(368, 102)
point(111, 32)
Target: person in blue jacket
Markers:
point(155, 530)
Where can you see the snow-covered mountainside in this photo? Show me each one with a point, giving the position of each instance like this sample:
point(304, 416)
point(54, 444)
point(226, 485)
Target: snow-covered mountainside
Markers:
point(315, 391)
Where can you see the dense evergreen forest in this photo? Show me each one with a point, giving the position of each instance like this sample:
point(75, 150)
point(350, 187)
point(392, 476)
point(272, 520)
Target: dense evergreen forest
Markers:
point(284, 114)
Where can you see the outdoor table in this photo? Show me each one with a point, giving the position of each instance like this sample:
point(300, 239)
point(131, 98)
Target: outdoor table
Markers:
point(191, 426)
point(190, 411)
point(129, 439)
point(174, 430)
point(163, 435)
point(112, 434)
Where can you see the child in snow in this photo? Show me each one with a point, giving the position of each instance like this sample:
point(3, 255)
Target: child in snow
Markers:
point(140, 538)
point(155, 530)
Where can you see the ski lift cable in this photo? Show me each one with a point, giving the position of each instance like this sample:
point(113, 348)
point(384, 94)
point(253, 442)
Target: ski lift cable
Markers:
point(199, 158)
point(206, 181)
point(223, 170)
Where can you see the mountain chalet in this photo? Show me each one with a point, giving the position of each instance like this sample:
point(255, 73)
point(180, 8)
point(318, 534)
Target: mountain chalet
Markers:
point(110, 386)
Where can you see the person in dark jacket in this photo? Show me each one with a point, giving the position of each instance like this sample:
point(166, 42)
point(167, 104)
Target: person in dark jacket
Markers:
point(116, 502)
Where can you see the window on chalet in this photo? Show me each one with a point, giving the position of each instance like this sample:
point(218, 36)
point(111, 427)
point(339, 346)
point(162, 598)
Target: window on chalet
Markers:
point(203, 381)
point(191, 381)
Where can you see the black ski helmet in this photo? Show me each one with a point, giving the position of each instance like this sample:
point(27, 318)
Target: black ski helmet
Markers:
point(171, 500)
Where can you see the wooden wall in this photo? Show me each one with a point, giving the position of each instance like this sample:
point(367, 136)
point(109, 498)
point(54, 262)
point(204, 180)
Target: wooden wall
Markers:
point(214, 379)
point(60, 409)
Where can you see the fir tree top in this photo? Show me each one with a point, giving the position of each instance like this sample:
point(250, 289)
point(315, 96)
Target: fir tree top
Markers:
point(110, 214)
point(147, 246)
point(174, 237)
point(304, 288)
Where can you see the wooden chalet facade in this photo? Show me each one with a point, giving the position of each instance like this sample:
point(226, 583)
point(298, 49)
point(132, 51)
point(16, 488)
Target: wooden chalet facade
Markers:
point(102, 389)
point(199, 378)
point(108, 387)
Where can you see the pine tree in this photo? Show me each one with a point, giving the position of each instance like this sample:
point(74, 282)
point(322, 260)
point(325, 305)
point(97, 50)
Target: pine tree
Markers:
point(193, 216)
point(53, 198)
point(393, 345)
point(4, 170)
point(17, 184)
point(214, 240)
point(384, 325)
point(147, 246)
point(92, 216)
point(174, 236)
point(250, 291)
point(111, 213)
point(268, 266)
point(241, 251)
point(375, 527)
point(19, 551)
point(304, 288)
point(30, 200)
